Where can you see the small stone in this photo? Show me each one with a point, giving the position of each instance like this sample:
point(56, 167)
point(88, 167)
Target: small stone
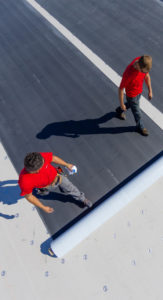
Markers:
point(62, 261)
point(105, 288)
point(3, 273)
point(85, 256)
point(133, 262)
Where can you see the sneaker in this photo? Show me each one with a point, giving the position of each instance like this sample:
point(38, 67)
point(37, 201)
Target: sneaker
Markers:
point(121, 115)
point(143, 131)
point(87, 203)
point(42, 192)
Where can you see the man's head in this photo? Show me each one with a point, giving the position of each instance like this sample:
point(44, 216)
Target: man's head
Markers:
point(33, 162)
point(145, 63)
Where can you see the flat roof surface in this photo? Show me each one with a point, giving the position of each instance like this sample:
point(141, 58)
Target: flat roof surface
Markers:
point(54, 99)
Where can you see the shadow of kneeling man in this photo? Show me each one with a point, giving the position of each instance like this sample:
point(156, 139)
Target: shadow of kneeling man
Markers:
point(9, 192)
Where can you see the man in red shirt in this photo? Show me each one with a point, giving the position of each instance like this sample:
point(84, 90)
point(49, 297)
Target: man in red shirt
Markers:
point(132, 82)
point(39, 173)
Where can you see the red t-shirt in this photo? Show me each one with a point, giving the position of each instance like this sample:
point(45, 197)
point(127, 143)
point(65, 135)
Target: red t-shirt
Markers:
point(132, 80)
point(46, 175)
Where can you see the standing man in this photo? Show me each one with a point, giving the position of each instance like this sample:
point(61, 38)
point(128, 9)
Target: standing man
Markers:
point(132, 81)
point(39, 173)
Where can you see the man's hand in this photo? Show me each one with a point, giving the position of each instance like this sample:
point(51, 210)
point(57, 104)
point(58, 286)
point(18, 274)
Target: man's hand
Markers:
point(123, 107)
point(48, 209)
point(150, 95)
point(69, 166)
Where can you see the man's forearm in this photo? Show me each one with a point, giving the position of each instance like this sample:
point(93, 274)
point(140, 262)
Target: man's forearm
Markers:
point(59, 161)
point(121, 97)
point(32, 199)
point(148, 83)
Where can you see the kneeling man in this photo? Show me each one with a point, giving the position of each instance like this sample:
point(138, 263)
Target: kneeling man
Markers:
point(39, 173)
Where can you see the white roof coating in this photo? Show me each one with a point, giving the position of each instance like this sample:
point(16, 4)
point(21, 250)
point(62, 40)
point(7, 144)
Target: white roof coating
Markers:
point(111, 206)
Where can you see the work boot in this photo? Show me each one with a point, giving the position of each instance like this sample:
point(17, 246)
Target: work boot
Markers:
point(42, 192)
point(120, 114)
point(143, 131)
point(87, 203)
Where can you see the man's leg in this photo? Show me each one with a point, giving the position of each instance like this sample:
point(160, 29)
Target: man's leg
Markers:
point(68, 188)
point(135, 108)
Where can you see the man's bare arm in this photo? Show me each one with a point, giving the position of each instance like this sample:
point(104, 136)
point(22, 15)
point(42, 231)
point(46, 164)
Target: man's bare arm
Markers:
point(32, 199)
point(59, 161)
point(148, 83)
point(121, 99)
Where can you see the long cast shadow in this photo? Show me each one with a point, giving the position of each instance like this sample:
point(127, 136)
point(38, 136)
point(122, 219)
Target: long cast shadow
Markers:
point(74, 129)
point(59, 197)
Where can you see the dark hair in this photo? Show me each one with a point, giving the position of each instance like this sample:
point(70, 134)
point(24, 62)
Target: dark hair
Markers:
point(33, 161)
point(145, 62)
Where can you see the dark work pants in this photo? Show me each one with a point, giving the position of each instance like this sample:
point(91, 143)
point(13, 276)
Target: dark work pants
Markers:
point(68, 188)
point(134, 104)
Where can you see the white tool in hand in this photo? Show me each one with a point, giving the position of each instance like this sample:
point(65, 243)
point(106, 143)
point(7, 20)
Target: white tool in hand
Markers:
point(72, 171)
